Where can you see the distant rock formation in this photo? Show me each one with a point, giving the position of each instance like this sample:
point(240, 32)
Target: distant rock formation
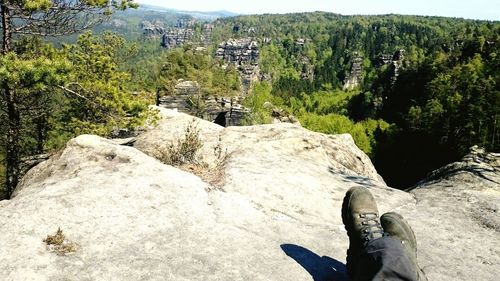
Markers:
point(188, 98)
point(274, 215)
point(300, 42)
point(206, 34)
point(152, 28)
point(186, 23)
point(183, 32)
point(306, 69)
point(176, 37)
point(395, 61)
point(353, 79)
point(225, 111)
point(244, 54)
point(115, 23)
point(281, 116)
point(183, 92)
point(239, 51)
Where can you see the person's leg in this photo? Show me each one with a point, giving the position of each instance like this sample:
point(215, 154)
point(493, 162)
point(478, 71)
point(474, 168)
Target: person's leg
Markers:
point(397, 227)
point(372, 255)
point(384, 259)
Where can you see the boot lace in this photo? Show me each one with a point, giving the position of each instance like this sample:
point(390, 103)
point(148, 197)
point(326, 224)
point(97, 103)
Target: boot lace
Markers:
point(371, 227)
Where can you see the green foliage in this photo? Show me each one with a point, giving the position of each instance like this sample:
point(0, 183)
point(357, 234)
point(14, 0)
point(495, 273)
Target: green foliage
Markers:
point(142, 61)
point(34, 5)
point(34, 72)
point(28, 75)
point(63, 93)
point(444, 100)
point(444, 105)
point(459, 107)
point(189, 64)
point(99, 102)
point(362, 133)
point(271, 60)
point(260, 102)
point(326, 102)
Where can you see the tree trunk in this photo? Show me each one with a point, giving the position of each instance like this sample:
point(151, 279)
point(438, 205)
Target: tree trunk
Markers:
point(6, 28)
point(13, 130)
point(14, 121)
point(41, 133)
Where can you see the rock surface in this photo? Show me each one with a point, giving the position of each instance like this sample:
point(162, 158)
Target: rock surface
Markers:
point(459, 206)
point(276, 216)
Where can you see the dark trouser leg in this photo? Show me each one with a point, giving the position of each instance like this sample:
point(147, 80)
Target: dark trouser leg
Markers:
point(384, 259)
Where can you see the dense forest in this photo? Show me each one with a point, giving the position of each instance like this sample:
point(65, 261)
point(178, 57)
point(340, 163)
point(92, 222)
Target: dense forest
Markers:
point(420, 90)
point(428, 87)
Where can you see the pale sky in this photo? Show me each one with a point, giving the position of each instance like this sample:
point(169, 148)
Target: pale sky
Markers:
point(473, 9)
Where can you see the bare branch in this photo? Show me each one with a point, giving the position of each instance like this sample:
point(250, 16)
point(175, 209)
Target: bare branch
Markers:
point(74, 93)
point(97, 105)
point(63, 18)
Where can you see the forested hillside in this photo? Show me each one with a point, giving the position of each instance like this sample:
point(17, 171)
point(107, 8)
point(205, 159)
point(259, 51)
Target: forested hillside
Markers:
point(423, 90)
point(415, 92)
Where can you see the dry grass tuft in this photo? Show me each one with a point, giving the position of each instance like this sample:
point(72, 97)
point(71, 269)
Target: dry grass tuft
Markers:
point(185, 150)
point(183, 154)
point(57, 243)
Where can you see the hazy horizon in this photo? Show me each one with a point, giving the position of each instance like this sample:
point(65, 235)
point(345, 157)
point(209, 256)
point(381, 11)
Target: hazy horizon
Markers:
point(479, 9)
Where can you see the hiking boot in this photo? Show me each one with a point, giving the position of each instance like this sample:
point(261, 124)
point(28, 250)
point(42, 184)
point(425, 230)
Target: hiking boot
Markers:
point(396, 226)
point(360, 218)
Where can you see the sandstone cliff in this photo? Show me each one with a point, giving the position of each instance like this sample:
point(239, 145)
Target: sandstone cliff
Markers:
point(274, 216)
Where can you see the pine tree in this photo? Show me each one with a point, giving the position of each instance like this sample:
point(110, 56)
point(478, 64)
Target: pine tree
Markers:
point(19, 74)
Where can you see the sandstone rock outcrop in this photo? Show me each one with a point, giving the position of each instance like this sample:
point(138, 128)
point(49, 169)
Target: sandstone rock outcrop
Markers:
point(306, 69)
point(176, 37)
point(281, 116)
point(152, 28)
point(395, 61)
point(188, 98)
point(244, 54)
point(182, 33)
point(183, 92)
point(206, 34)
point(239, 51)
point(115, 23)
point(353, 79)
point(276, 215)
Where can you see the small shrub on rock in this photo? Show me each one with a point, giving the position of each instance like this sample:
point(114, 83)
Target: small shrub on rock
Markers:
point(183, 153)
point(185, 150)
